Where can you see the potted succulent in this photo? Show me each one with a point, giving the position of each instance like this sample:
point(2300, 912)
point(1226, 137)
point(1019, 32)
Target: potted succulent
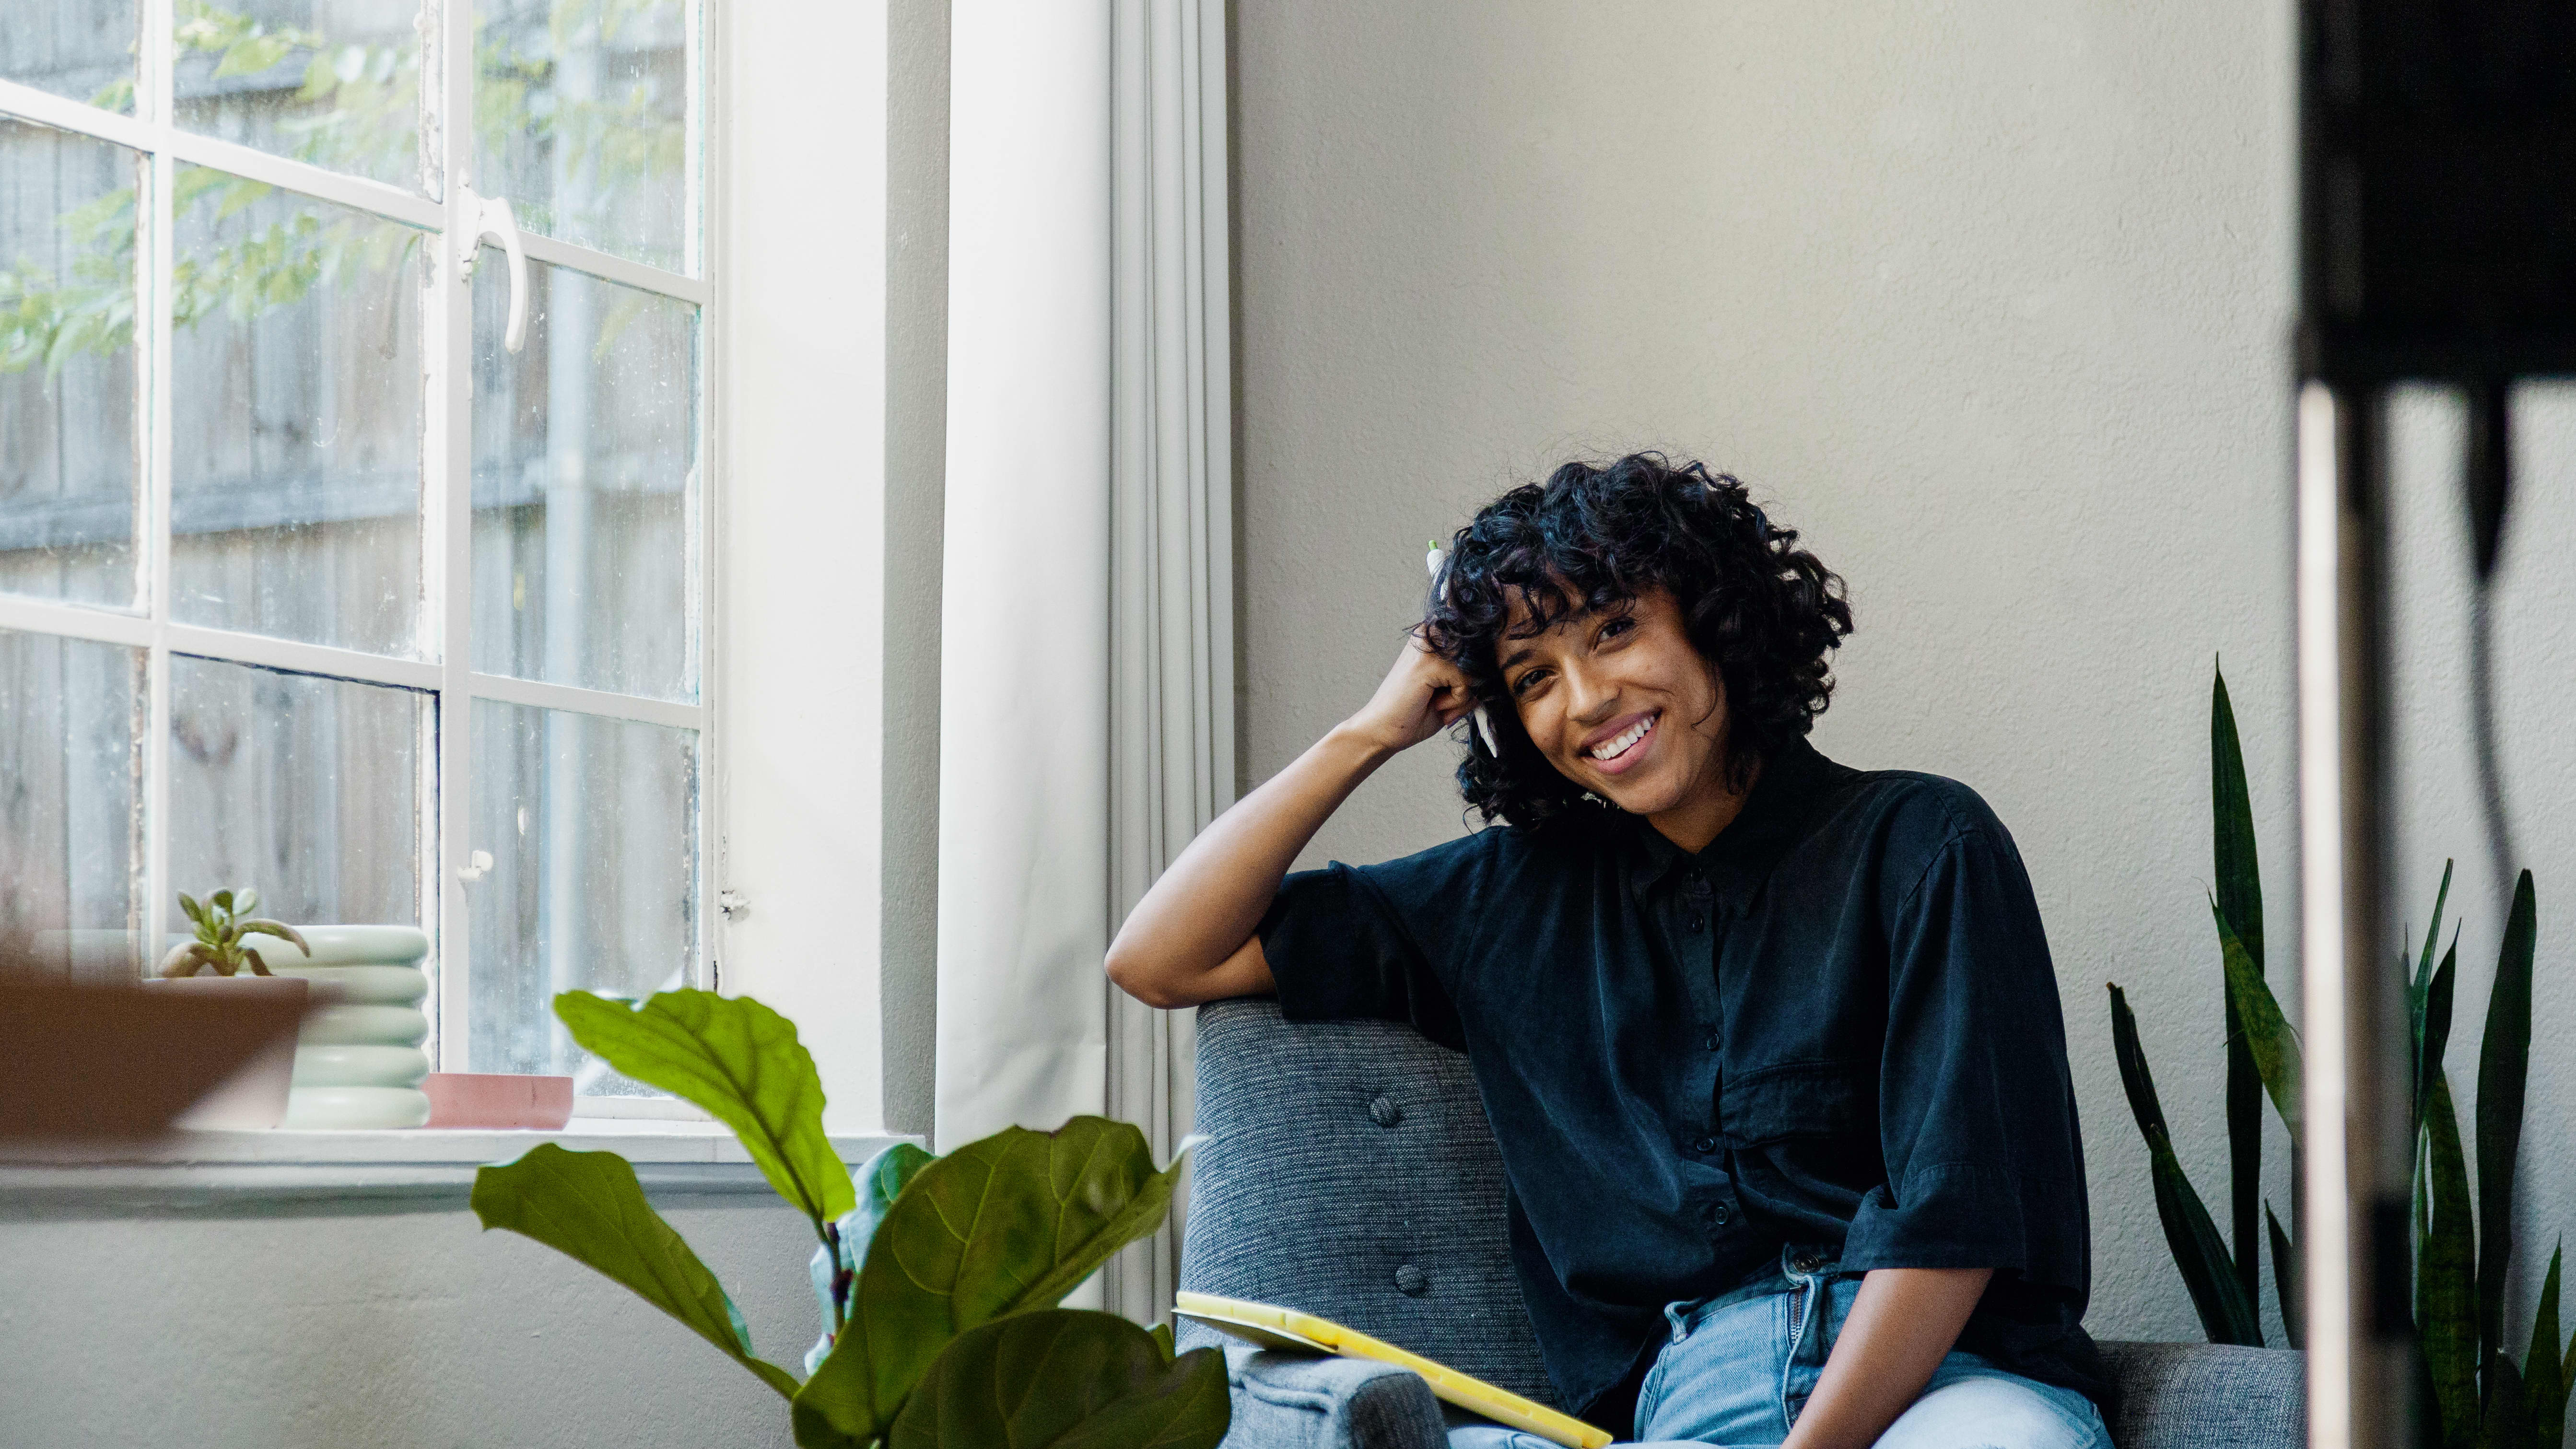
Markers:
point(214, 959)
point(222, 922)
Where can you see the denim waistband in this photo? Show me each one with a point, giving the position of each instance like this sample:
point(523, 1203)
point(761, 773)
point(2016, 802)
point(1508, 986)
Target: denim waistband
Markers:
point(1797, 1266)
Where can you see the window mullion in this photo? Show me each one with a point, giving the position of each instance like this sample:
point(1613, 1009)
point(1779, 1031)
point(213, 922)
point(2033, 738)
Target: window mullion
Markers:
point(448, 575)
point(154, 105)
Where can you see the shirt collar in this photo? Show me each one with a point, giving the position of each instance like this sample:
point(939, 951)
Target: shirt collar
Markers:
point(1775, 816)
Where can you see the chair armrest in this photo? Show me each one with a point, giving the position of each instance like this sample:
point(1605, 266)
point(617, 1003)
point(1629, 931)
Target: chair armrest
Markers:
point(1302, 1401)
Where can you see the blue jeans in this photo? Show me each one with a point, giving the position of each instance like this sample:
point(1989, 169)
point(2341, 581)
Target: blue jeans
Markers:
point(1739, 1368)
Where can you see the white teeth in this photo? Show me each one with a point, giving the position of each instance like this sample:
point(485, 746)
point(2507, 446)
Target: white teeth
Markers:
point(1617, 745)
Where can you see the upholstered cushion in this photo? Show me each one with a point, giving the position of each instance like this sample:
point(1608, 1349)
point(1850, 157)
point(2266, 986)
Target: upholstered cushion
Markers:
point(1348, 1172)
point(2206, 1396)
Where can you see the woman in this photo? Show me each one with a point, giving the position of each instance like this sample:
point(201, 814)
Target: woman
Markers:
point(1771, 1046)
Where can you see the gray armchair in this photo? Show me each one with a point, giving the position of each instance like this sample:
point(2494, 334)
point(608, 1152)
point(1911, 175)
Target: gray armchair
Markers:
point(1348, 1171)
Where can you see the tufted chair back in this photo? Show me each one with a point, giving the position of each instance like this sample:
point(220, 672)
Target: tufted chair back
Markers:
point(1348, 1172)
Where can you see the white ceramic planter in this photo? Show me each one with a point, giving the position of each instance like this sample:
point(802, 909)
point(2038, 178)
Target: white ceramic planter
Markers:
point(257, 1094)
point(358, 1061)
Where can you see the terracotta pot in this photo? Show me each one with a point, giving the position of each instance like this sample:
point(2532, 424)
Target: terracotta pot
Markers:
point(254, 1096)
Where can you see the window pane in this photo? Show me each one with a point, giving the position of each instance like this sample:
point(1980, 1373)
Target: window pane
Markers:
point(70, 712)
point(303, 788)
point(333, 82)
point(296, 417)
point(592, 827)
point(67, 456)
point(581, 119)
point(83, 49)
point(585, 446)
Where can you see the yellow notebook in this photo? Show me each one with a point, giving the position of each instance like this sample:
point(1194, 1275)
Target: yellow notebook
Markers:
point(1287, 1328)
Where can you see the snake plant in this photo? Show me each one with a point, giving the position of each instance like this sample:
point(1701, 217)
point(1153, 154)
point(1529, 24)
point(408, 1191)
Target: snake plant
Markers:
point(2478, 1392)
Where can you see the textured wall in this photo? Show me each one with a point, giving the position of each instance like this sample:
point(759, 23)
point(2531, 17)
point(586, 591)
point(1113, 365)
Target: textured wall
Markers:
point(317, 1330)
point(1990, 299)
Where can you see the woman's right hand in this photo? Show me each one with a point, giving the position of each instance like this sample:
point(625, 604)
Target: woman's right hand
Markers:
point(1192, 938)
point(1421, 696)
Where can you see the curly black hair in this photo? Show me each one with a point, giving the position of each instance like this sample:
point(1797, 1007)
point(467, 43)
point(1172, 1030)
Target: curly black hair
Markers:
point(1763, 610)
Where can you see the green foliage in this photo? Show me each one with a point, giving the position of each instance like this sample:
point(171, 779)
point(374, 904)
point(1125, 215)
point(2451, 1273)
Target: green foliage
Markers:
point(2446, 1317)
point(835, 1265)
point(2479, 1394)
point(2504, 1065)
point(940, 1276)
point(222, 921)
point(2226, 1310)
point(2483, 1397)
point(741, 1062)
point(360, 115)
point(1000, 1226)
point(2238, 898)
point(588, 1207)
point(1109, 1382)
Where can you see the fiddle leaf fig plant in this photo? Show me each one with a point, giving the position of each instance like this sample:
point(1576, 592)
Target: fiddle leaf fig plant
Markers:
point(939, 1278)
point(222, 920)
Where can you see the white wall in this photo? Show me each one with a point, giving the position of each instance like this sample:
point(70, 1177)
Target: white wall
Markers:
point(801, 426)
point(1991, 300)
point(345, 1327)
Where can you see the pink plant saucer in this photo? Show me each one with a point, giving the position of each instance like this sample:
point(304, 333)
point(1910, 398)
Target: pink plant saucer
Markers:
point(497, 1099)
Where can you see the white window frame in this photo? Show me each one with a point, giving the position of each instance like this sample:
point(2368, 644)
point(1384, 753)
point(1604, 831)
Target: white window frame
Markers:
point(445, 672)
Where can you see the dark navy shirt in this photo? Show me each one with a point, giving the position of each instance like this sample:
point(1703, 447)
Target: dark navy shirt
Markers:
point(1836, 1027)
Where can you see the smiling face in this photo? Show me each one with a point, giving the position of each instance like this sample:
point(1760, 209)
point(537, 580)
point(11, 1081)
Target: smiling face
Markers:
point(1623, 705)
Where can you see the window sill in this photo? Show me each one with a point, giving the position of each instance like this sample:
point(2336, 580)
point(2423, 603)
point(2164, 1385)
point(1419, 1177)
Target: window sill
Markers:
point(406, 1171)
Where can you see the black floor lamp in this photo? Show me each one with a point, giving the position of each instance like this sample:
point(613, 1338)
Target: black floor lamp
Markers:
point(2437, 243)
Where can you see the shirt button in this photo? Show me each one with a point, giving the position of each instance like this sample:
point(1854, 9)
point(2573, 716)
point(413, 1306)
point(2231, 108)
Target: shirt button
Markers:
point(1721, 1214)
point(1705, 1144)
point(1696, 923)
point(1712, 1039)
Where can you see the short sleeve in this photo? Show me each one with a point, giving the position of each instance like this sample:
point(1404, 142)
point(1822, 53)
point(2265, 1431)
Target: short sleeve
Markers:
point(1339, 949)
point(1978, 1132)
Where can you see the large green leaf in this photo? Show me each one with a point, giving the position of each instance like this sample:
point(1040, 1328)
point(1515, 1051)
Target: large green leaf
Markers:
point(2285, 1280)
point(588, 1206)
point(2432, 933)
point(2446, 1316)
point(1063, 1378)
point(2504, 1063)
point(2226, 1311)
point(835, 1264)
point(2544, 1374)
point(2437, 1029)
point(2507, 1415)
point(2264, 1032)
point(2238, 903)
point(741, 1062)
point(1003, 1225)
point(2239, 878)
